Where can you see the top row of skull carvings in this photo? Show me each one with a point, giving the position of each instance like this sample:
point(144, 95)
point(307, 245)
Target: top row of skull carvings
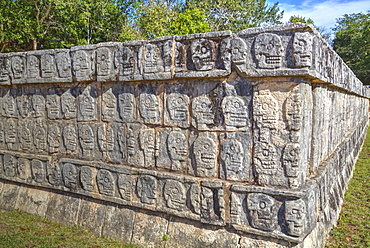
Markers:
point(202, 55)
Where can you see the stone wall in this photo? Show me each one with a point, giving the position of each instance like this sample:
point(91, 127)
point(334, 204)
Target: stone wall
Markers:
point(215, 139)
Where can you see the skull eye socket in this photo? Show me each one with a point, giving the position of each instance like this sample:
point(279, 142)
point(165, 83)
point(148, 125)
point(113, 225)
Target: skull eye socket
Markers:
point(265, 153)
point(262, 205)
point(150, 138)
point(237, 105)
point(270, 46)
point(178, 140)
point(204, 49)
point(302, 43)
point(206, 146)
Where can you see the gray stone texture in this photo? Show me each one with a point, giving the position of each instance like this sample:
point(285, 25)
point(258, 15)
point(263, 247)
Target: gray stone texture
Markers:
point(215, 139)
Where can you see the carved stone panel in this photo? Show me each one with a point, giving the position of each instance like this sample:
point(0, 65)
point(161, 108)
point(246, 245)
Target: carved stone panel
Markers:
point(24, 105)
point(195, 201)
point(175, 194)
point(87, 137)
point(265, 109)
point(235, 157)
point(291, 162)
point(236, 208)
point(54, 138)
point(40, 135)
point(235, 112)
point(47, 65)
point(18, 68)
point(63, 61)
point(109, 106)
point(202, 112)
point(70, 175)
point(2, 133)
point(146, 188)
point(262, 211)
point(205, 155)
point(33, 67)
point(127, 107)
point(153, 61)
point(203, 54)
point(265, 158)
point(268, 51)
point(68, 104)
point(295, 217)
point(111, 141)
point(87, 104)
point(134, 153)
point(25, 135)
point(105, 181)
point(177, 106)
point(38, 170)
point(82, 62)
point(302, 49)
point(125, 186)
point(147, 145)
point(53, 106)
point(177, 147)
point(149, 108)
point(11, 138)
point(129, 57)
point(294, 110)
point(54, 174)
point(24, 168)
point(10, 165)
point(4, 69)
point(70, 139)
point(86, 178)
point(38, 104)
point(212, 203)
point(104, 63)
point(9, 104)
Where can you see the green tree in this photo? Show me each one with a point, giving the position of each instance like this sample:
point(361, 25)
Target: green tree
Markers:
point(322, 30)
point(236, 15)
point(352, 43)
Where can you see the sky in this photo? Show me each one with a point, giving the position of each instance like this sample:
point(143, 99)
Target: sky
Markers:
point(323, 12)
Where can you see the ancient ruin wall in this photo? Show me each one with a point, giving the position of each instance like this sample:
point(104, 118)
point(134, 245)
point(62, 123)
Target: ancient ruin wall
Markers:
point(215, 139)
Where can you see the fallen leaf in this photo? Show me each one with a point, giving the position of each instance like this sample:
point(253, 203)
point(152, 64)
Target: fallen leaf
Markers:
point(348, 239)
point(30, 245)
point(22, 229)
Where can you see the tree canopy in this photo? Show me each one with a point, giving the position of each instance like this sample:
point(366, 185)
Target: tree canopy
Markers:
point(45, 24)
point(352, 43)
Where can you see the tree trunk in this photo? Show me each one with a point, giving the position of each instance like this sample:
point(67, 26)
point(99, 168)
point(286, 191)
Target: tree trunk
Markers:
point(34, 44)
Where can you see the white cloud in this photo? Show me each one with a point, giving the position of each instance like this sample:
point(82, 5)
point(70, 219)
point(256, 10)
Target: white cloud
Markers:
point(324, 14)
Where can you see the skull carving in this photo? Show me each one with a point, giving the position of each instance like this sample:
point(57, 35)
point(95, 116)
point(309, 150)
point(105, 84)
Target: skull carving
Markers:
point(128, 62)
point(203, 113)
point(86, 178)
point(38, 170)
point(174, 194)
point(295, 216)
point(268, 51)
point(127, 107)
point(105, 182)
point(205, 156)
point(262, 211)
point(70, 175)
point(232, 154)
point(153, 60)
point(235, 111)
point(70, 139)
point(178, 148)
point(86, 139)
point(149, 108)
point(103, 61)
point(302, 49)
point(81, 64)
point(177, 105)
point(265, 158)
point(147, 144)
point(124, 186)
point(87, 105)
point(203, 54)
point(18, 66)
point(68, 102)
point(146, 189)
point(33, 66)
point(10, 163)
point(238, 51)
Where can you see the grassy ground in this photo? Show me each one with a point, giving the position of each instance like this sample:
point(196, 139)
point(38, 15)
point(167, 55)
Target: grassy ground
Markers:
point(353, 229)
point(18, 229)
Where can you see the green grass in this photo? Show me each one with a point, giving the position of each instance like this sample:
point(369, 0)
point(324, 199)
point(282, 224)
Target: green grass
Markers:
point(18, 229)
point(353, 228)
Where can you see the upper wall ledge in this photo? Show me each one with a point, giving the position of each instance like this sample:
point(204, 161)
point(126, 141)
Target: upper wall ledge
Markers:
point(281, 50)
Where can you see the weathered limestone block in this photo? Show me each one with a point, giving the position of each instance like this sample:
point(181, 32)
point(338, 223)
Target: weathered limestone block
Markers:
point(215, 139)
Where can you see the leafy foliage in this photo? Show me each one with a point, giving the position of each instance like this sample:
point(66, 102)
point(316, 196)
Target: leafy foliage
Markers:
point(352, 43)
point(45, 24)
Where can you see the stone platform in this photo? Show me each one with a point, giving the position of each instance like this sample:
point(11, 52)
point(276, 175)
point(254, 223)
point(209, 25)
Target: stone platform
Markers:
point(216, 139)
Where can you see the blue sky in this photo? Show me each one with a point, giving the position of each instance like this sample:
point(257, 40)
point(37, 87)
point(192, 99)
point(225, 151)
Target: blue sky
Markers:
point(323, 12)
